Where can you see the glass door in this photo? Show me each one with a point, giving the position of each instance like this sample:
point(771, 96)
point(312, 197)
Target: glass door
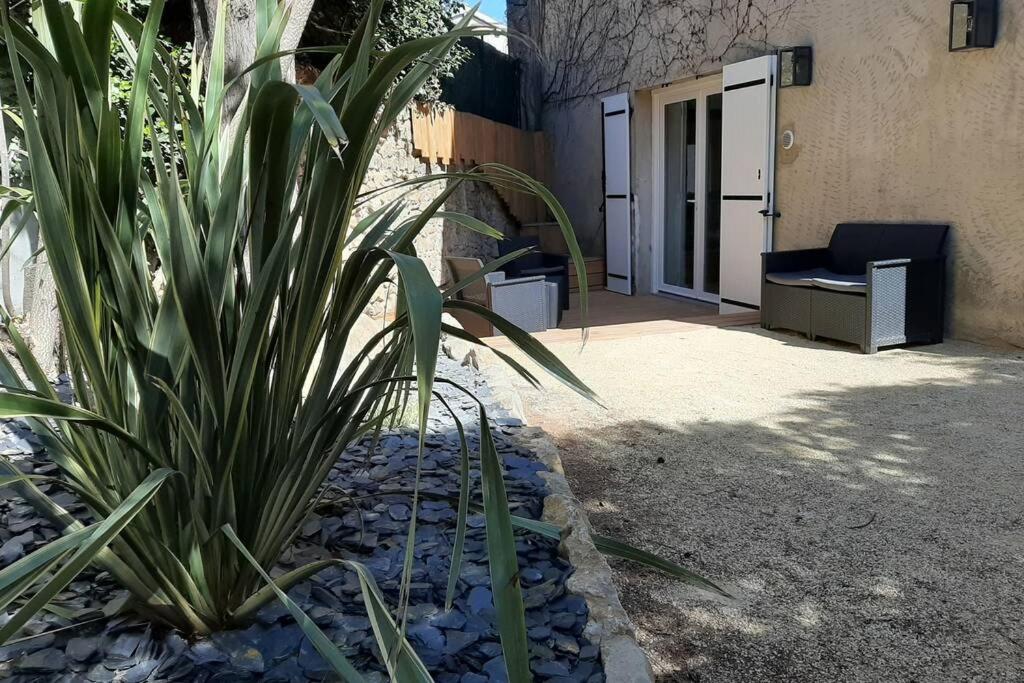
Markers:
point(678, 253)
point(713, 194)
point(688, 153)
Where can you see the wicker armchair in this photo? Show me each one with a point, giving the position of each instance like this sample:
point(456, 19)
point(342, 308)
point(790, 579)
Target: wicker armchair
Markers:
point(554, 267)
point(875, 285)
point(522, 301)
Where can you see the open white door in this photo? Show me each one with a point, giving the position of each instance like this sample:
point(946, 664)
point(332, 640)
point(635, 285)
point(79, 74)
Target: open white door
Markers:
point(618, 229)
point(748, 163)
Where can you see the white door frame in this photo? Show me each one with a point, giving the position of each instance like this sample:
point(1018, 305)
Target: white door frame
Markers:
point(698, 89)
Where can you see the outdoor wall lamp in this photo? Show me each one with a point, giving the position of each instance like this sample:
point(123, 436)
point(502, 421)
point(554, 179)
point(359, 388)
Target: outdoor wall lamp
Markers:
point(796, 66)
point(973, 24)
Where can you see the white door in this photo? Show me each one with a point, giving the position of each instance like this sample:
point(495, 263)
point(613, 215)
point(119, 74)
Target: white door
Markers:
point(748, 162)
point(618, 230)
point(687, 140)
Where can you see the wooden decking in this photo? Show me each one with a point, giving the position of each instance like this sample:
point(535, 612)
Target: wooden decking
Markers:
point(613, 316)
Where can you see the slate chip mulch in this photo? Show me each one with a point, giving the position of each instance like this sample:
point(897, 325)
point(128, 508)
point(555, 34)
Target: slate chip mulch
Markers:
point(370, 487)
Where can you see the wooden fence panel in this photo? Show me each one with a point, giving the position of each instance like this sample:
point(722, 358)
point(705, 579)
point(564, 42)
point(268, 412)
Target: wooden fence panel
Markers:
point(454, 138)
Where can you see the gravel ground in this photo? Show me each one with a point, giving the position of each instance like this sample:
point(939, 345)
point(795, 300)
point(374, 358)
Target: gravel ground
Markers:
point(866, 511)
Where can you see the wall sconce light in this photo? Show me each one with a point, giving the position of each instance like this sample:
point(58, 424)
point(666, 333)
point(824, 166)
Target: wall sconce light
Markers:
point(796, 66)
point(973, 24)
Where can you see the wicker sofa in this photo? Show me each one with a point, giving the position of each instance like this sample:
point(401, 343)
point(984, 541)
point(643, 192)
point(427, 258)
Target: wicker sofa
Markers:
point(875, 285)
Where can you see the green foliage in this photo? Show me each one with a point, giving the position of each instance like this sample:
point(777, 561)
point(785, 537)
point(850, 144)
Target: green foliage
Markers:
point(332, 21)
point(209, 414)
point(120, 81)
point(15, 150)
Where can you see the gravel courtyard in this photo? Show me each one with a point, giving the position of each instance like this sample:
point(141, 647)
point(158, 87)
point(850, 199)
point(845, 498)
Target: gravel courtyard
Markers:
point(866, 511)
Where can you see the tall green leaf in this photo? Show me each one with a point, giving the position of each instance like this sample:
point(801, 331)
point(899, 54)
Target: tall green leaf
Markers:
point(328, 650)
point(503, 561)
point(239, 364)
point(87, 551)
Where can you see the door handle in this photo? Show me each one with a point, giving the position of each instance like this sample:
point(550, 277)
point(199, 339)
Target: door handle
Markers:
point(773, 214)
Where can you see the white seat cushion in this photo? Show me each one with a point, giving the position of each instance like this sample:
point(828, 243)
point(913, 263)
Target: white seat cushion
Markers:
point(821, 277)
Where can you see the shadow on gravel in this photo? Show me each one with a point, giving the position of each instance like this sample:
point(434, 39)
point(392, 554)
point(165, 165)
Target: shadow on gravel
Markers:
point(873, 534)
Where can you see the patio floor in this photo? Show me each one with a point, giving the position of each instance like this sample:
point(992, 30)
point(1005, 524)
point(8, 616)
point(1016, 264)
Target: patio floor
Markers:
point(866, 511)
point(608, 308)
point(614, 316)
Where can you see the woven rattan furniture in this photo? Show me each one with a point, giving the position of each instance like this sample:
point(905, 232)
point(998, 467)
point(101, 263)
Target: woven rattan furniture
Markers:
point(523, 301)
point(554, 267)
point(875, 285)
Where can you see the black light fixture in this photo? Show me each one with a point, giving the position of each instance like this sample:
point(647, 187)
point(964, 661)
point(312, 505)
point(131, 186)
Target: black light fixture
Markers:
point(973, 24)
point(796, 66)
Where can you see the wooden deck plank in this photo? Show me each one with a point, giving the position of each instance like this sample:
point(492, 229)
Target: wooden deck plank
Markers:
point(609, 308)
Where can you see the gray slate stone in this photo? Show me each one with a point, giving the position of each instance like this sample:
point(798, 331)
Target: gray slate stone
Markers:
point(50, 660)
point(81, 649)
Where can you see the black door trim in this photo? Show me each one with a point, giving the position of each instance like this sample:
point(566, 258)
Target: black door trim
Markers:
point(614, 113)
point(742, 197)
point(747, 84)
point(741, 304)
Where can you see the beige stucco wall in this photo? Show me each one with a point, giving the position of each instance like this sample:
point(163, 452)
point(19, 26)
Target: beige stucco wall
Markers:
point(897, 128)
point(894, 128)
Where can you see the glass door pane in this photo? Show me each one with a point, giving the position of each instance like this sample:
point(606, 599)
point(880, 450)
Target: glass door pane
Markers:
point(680, 196)
point(713, 182)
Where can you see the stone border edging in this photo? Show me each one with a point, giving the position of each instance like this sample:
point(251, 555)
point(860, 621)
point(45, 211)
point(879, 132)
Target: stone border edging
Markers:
point(608, 624)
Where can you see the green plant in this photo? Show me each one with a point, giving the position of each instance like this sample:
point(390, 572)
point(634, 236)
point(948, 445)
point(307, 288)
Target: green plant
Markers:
point(400, 21)
point(208, 416)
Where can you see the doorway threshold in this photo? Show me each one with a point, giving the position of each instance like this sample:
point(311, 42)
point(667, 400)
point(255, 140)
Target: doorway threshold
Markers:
point(687, 299)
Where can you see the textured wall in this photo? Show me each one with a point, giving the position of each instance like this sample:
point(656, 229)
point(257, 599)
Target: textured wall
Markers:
point(480, 201)
point(575, 142)
point(393, 163)
point(893, 128)
point(896, 128)
point(19, 268)
point(580, 50)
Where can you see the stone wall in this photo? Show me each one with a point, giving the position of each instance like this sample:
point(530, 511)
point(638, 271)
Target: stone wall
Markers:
point(480, 201)
point(394, 162)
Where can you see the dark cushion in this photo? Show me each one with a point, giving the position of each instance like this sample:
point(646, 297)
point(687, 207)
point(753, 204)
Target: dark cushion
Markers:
point(527, 261)
point(853, 245)
point(546, 270)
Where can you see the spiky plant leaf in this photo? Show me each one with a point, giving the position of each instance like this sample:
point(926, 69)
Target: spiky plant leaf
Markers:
point(239, 375)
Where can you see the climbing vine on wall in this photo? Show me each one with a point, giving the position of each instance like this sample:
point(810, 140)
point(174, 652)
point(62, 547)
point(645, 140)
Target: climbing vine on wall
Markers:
point(586, 48)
